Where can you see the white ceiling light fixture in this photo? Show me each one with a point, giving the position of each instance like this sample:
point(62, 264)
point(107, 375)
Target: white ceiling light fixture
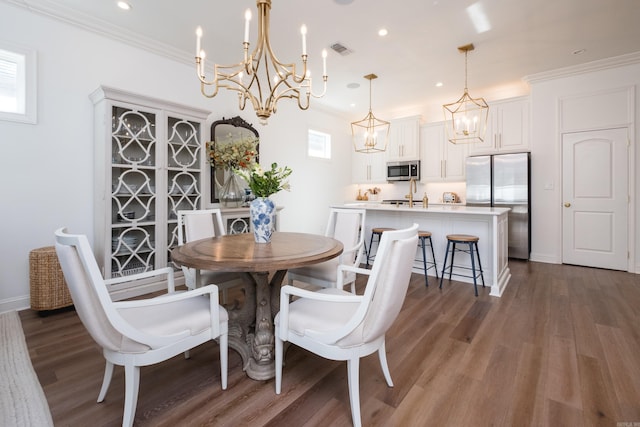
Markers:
point(466, 119)
point(478, 18)
point(260, 77)
point(124, 5)
point(370, 135)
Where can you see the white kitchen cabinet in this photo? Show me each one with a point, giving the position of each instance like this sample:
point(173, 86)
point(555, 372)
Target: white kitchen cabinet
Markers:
point(368, 168)
point(441, 160)
point(404, 139)
point(507, 129)
point(148, 165)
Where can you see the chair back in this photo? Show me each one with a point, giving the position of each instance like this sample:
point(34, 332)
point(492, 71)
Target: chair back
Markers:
point(346, 225)
point(199, 224)
point(87, 288)
point(389, 280)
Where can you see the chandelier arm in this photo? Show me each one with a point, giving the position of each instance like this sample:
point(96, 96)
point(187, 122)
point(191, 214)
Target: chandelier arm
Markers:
point(269, 78)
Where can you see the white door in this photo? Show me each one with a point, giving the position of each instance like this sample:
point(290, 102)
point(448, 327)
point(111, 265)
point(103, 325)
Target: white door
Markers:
point(595, 198)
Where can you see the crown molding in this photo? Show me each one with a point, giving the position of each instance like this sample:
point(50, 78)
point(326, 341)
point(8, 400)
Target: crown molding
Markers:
point(55, 10)
point(587, 67)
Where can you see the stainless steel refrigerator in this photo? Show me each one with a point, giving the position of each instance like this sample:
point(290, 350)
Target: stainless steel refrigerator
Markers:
point(503, 180)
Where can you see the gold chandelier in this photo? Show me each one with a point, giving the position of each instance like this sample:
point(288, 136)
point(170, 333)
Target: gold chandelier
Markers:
point(370, 135)
point(260, 77)
point(466, 119)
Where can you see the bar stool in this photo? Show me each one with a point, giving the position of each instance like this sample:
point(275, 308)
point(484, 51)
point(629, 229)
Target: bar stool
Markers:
point(364, 244)
point(376, 231)
point(423, 238)
point(471, 242)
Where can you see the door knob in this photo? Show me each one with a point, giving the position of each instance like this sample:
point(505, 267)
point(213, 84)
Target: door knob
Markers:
point(567, 204)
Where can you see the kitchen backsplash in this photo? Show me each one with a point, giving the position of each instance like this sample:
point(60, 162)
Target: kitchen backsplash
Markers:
point(400, 189)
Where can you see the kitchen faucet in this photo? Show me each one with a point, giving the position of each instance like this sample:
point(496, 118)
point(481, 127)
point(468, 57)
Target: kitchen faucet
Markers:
point(412, 186)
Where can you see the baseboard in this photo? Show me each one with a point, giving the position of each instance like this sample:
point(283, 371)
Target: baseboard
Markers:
point(548, 259)
point(17, 304)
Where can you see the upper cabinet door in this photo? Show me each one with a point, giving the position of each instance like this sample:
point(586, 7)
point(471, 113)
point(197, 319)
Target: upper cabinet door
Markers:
point(508, 128)
point(368, 168)
point(404, 139)
point(442, 161)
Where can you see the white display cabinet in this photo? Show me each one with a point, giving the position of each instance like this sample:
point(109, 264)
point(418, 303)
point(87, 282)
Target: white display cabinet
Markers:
point(148, 165)
point(238, 220)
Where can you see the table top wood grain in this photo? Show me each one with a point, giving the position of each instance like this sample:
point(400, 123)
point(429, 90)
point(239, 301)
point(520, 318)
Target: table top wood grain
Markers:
point(240, 252)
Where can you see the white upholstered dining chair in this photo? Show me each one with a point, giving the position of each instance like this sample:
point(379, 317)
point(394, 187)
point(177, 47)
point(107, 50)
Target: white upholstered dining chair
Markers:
point(339, 325)
point(141, 332)
point(347, 226)
point(202, 224)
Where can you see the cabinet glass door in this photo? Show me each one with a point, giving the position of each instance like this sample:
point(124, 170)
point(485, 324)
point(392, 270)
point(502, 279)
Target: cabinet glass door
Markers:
point(184, 157)
point(133, 191)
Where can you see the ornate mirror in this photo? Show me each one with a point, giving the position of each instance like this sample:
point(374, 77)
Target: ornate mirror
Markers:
point(222, 131)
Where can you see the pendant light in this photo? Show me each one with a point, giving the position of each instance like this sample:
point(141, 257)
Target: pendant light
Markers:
point(466, 119)
point(370, 135)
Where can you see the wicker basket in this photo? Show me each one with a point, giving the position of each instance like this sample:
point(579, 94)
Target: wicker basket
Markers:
point(49, 290)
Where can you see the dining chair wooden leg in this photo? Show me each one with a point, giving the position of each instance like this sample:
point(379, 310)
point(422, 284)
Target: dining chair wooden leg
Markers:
point(382, 354)
point(353, 374)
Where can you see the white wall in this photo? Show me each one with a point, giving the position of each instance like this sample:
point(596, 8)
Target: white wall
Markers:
point(546, 96)
point(46, 170)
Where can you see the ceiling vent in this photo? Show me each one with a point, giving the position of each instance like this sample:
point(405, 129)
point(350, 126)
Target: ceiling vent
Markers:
point(341, 49)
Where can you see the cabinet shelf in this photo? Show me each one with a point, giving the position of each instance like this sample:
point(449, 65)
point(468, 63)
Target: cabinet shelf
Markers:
point(129, 137)
point(125, 253)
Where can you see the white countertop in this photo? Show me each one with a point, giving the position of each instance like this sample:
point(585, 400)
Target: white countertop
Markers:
point(436, 209)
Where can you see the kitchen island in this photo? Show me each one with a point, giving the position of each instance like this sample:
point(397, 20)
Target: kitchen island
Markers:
point(489, 224)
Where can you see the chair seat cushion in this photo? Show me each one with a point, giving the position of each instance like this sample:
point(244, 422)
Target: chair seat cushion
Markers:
point(166, 319)
point(324, 271)
point(322, 316)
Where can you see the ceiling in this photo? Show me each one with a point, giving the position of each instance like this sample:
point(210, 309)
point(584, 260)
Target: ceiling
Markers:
point(520, 38)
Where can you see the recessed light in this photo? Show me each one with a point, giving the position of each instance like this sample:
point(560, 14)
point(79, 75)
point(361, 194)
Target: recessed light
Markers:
point(353, 85)
point(382, 32)
point(343, 2)
point(124, 5)
point(578, 51)
point(439, 84)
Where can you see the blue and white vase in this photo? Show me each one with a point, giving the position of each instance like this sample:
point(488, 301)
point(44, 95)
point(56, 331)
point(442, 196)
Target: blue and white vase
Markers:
point(262, 212)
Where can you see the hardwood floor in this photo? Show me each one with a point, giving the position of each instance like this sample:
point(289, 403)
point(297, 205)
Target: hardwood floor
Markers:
point(560, 348)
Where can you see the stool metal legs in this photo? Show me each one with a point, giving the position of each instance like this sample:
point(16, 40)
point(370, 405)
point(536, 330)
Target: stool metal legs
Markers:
point(423, 241)
point(470, 251)
point(371, 247)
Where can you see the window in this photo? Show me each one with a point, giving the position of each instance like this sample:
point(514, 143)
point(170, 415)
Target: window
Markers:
point(319, 144)
point(17, 84)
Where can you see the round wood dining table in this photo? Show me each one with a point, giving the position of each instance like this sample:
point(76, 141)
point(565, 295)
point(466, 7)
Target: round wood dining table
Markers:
point(251, 330)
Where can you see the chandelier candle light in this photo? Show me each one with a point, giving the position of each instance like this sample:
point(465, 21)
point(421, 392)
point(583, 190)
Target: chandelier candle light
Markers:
point(370, 135)
point(260, 76)
point(467, 117)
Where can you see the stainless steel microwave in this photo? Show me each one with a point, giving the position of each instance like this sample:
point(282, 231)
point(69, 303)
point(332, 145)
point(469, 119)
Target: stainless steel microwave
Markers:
point(403, 171)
